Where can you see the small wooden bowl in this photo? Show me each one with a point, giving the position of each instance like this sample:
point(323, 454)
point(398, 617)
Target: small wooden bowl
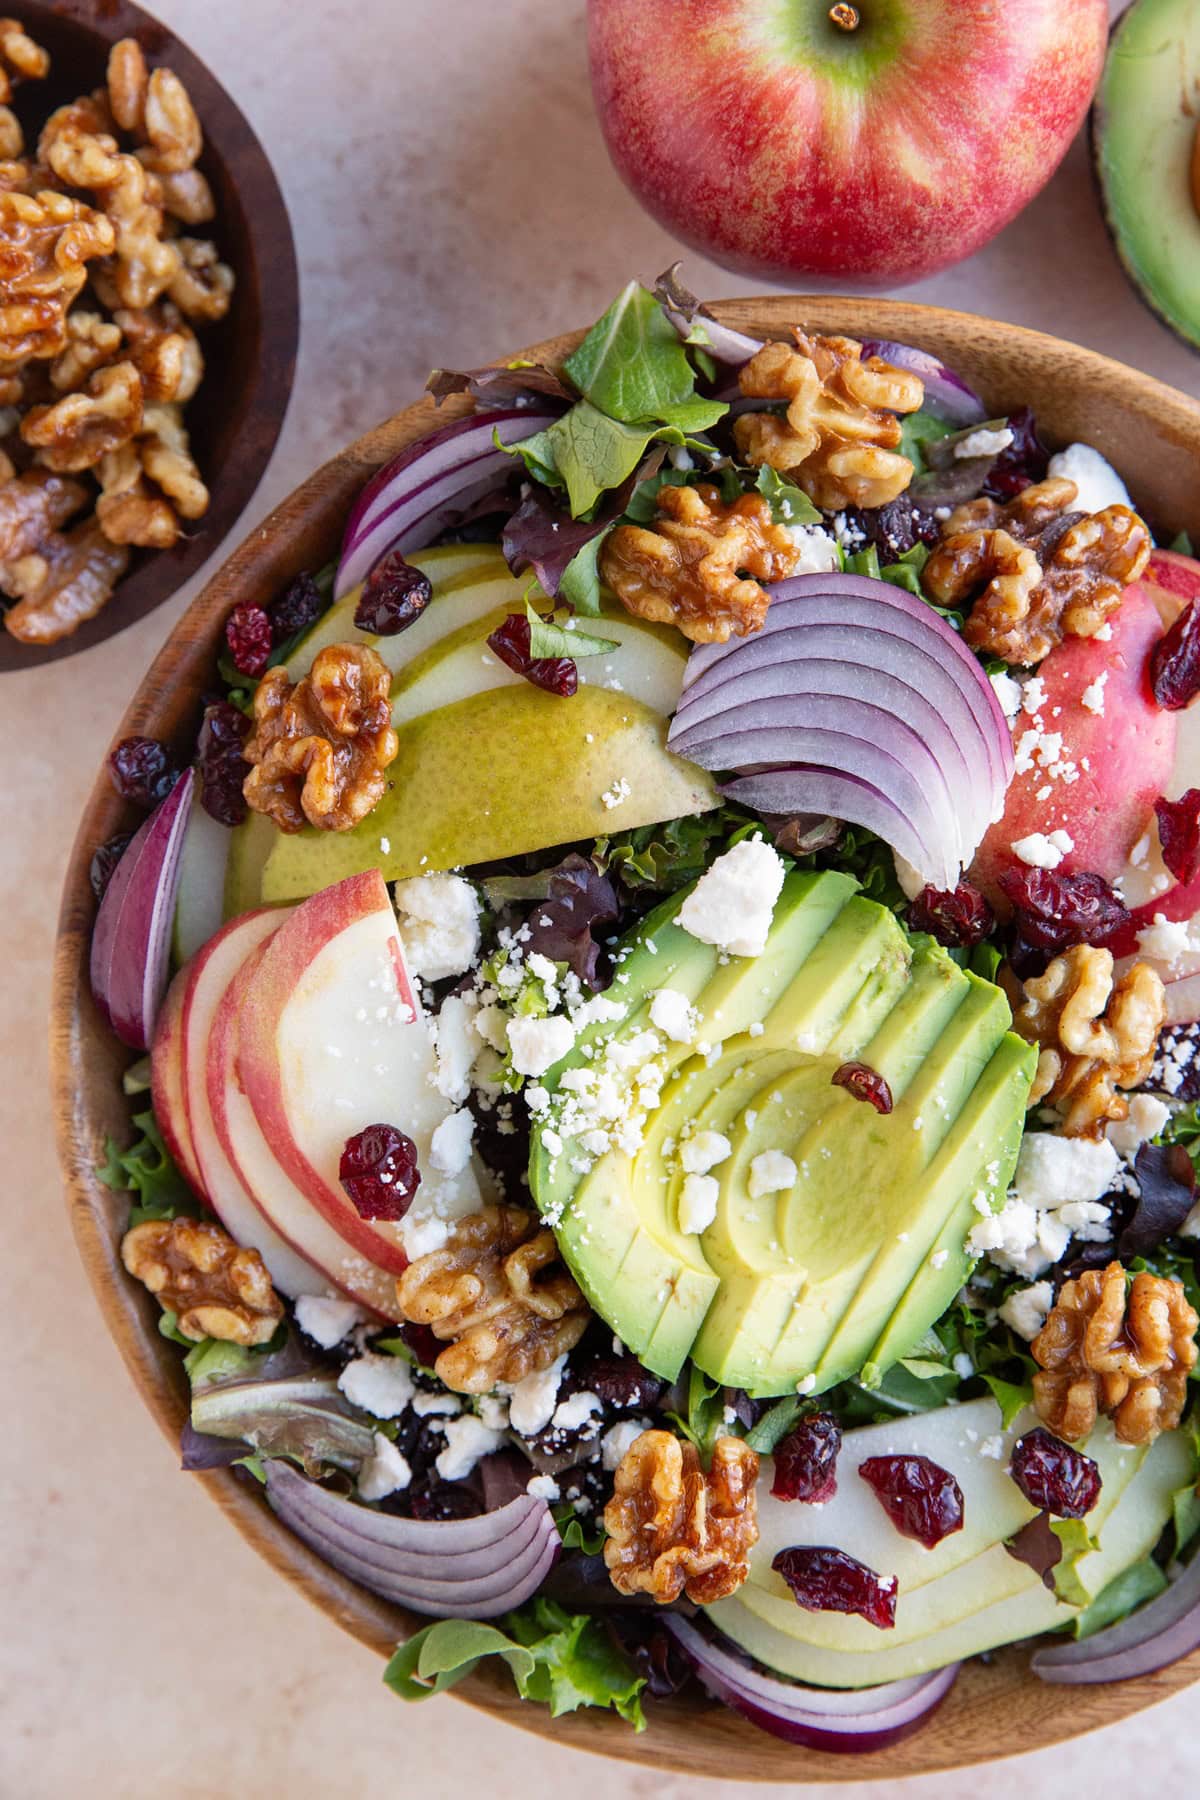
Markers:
point(997, 1709)
point(238, 413)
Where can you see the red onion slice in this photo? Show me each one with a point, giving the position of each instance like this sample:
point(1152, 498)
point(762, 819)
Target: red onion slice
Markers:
point(131, 942)
point(821, 1718)
point(455, 1568)
point(836, 796)
point(1154, 1636)
point(423, 490)
point(947, 395)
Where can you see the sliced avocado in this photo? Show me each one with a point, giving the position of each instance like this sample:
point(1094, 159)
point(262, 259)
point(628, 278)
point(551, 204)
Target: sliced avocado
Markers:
point(1144, 142)
point(849, 1267)
point(503, 772)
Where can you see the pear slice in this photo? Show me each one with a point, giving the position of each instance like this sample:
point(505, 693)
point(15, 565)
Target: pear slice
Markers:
point(498, 774)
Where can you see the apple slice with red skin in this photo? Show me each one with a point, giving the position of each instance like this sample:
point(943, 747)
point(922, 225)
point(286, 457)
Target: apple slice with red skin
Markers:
point(1128, 748)
point(295, 1224)
point(332, 1039)
point(201, 986)
point(167, 1093)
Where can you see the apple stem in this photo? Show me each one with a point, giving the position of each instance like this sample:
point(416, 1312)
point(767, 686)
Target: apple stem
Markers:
point(846, 18)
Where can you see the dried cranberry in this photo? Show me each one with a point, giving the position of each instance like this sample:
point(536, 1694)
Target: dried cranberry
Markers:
point(219, 761)
point(622, 1383)
point(510, 642)
point(922, 1499)
point(248, 635)
point(1024, 462)
point(1175, 662)
point(1053, 1476)
point(393, 595)
point(104, 862)
point(959, 919)
point(896, 528)
point(143, 770)
point(864, 1083)
point(806, 1460)
point(379, 1172)
point(1055, 911)
point(826, 1580)
point(298, 607)
point(1179, 834)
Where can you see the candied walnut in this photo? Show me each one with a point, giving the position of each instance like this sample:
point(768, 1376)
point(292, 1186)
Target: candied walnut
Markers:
point(62, 584)
point(166, 457)
point(673, 1529)
point(46, 240)
point(320, 748)
point(169, 126)
point(701, 565)
point(92, 341)
point(128, 82)
point(1032, 572)
point(12, 138)
point(838, 438)
point(144, 264)
point(129, 510)
point(20, 58)
point(203, 286)
point(32, 506)
point(1123, 1354)
point(1095, 1035)
point(195, 1270)
point(164, 349)
point(188, 197)
point(498, 1296)
point(76, 431)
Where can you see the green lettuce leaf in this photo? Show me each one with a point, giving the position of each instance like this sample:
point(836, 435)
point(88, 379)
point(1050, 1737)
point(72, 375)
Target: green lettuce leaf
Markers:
point(1133, 1587)
point(574, 1532)
point(148, 1171)
point(776, 1422)
point(1076, 1540)
point(579, 583)
point(632, 366)
point(789, 505)
point(905, 573)
point(918, 429)
point(1010, 1396)
point(705, 1418)
point(663, 858)
point(549, 639)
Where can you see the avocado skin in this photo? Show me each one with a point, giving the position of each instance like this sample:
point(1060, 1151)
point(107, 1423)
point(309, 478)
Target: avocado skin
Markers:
point(848, 1270)
point(1141, 183)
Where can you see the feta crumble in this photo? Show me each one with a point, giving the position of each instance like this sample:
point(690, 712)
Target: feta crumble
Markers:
point(1042, 851)
point(1026, 1309)
point(819, 554)
point(537, 1044)
point(450, 1144)
point(698, 1199)
point(983, 442)
point(771, 1172)
point(384, 1472)
point(703, 1151)
point(532, 1401)
point(1147, 1116)
point(457, 1044)
point(381, 1385)
point(616, 795)
point(439, 924)
point(327, 1321)
point(467, 1440)
point(542, 1487)
point(673, 1014)
point(1096, 481)
point(733, 903)
point(575, 1411)
point(1053, 1170)
point(617, 1441)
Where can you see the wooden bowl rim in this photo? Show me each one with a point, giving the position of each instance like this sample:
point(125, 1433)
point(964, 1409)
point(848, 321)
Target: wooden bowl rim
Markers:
point(263, 401)
point(997, 1709)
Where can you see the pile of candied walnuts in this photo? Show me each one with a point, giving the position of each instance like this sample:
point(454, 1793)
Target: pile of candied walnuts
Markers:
point(102, 287)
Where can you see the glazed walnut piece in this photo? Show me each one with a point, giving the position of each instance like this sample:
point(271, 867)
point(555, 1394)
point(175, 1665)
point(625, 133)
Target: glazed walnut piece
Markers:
point(673, 1529)
point(498, 1296)
point(1096, 1035)
point(1107, 1350)
point(76, 431)
point(1033, 572)
point(46, 241)
point(701, 564)
point(145, 263)
point(838, 438)
point(65, 582)
point(195, 1270)
point(319, 749)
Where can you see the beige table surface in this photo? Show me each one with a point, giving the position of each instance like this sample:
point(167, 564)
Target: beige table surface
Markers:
point(451, 200)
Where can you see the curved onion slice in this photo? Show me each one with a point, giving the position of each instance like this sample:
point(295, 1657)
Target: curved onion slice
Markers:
point(1157, 1634)
point(867, 660)
point(723, 343)
point(131, 942)
point(454, 1568)
point(431, 484)
point(822, 1718)
point(947, 395)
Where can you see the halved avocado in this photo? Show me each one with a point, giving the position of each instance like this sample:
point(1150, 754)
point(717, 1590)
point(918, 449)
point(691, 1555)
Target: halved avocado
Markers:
point(1144, 135)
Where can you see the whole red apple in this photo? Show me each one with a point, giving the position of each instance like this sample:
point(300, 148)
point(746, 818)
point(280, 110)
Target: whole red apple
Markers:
point(882, 140)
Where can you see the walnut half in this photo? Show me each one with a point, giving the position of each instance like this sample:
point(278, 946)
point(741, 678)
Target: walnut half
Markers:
point(1096, 1035)
point(195, 1270)
point(1103, 1350)
point(673, 1529)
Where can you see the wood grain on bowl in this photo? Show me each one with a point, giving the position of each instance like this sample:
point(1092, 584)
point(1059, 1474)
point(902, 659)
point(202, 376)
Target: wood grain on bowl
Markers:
point(997, 1709)
point(237, 415)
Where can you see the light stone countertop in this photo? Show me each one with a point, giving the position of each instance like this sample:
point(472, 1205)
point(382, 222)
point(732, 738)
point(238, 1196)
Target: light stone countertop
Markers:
point(451, 200)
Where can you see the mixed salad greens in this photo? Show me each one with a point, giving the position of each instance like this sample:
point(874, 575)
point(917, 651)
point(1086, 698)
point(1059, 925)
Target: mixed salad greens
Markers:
point(675, 1159)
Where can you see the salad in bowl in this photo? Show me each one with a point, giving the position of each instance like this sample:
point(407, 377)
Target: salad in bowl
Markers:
point(666, 1004)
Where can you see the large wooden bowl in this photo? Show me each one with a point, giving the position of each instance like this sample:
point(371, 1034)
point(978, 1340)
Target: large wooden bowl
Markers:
point(1153, 435)
point(238, 413)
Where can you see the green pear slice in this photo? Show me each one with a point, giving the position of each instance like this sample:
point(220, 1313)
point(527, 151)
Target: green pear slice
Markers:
point(502, 773)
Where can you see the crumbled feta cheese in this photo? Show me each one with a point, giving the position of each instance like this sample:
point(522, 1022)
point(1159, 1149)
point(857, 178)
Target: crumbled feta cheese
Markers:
point(698, 1199)
point(771, 1172)
point(327, 1321)
point(1093, 694)
point(382, 1385)
point(733, 902)
point(994, 1447)
point(616, 795)
point(806, 1384)
point(1087, 1220)
point(939, 1259)
point(703, 1151)
point(467, 1439)
point(457, 1044)
point(450, 1144)
point(542, 1487)
point(576, 1410)
point(422, 1230)
point(819, 553)
point(1096, 481)
point(437, 1406)
point(384, 1472)
point(1026, 1308)
point(1168, 941)
point(983, 442)
point(1053, 1170)
point(673, 1014)
point(531, 1402)
point(1041, 851)
point(537, 1044)
point(617, 1441)
point(439, 924)
point(1008, 693)
point(849, 534)
point(1147, 1116)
